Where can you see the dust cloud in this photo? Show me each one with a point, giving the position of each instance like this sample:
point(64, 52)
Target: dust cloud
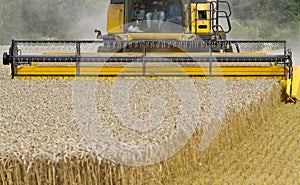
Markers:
point(41, 19)
point(296, 50)
point(88, 21)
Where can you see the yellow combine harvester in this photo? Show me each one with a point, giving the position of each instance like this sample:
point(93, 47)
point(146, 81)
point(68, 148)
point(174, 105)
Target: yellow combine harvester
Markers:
point(158, 38)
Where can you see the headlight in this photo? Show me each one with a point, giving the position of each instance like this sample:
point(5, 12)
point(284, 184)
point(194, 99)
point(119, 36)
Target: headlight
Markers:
point(183, 38)
point(125, 37)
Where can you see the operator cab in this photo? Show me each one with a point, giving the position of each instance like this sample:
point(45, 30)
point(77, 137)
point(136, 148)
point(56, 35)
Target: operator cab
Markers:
point(205, 19)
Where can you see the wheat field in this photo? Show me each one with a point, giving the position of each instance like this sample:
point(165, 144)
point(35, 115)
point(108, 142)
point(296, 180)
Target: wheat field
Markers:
point(258, 143)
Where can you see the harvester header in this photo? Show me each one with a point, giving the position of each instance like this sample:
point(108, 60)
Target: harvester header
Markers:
point(182, 38)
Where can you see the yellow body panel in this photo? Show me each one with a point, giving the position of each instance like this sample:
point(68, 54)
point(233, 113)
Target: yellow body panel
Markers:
point(295, 93)
point(200, 25)
point(115, 19)
point(152, 70)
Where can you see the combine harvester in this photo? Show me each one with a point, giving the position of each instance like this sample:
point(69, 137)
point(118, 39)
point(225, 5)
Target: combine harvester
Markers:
point(192, 44)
